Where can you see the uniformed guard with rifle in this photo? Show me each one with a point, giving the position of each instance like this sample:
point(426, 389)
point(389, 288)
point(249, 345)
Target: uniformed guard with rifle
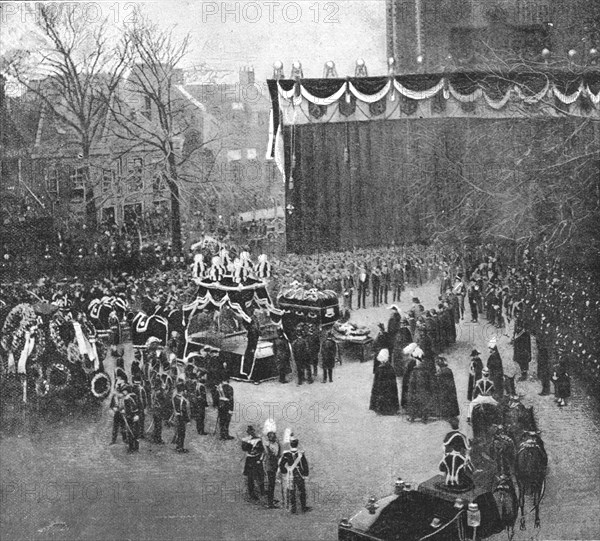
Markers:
point(117, 407)
point(253, 465)
point(294, 468)
point(181, 412)
point(132, 419)
point(225, 405)
point(142, 400)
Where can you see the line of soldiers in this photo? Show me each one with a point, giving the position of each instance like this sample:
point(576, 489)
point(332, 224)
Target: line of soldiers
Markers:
point(284, 462)
point(171, 404)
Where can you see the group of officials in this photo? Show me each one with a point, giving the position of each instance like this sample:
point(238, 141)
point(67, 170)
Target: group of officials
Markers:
point(284, 462)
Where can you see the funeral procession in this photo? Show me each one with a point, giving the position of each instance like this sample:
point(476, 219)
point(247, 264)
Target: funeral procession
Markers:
point(300, 271)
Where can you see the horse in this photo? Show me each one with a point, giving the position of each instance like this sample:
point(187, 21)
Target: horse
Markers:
point(519, 419)
point(144, 327)
point(507, 503)
point(502, 450)
point(530, 470)
point(483, 417)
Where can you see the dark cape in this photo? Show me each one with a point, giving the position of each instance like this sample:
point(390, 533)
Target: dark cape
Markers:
point(477, 366)
point(410, 366)
point(494, 365)
point(419, 393)
point(522, 350)
point(384, 394)
point(445, 398)
point(399, 359)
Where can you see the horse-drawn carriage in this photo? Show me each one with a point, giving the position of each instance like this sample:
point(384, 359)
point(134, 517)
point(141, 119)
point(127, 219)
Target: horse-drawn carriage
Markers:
point(430, 510)
point(506, 451)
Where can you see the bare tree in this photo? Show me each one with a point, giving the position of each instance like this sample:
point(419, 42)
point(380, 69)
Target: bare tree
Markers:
point(152, 112)
point(75, 68)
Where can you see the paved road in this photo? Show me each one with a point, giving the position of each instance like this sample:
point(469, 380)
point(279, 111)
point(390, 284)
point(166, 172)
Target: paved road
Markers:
point(61, 479)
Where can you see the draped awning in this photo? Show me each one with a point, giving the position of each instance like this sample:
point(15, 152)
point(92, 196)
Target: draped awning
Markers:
point(242, 298)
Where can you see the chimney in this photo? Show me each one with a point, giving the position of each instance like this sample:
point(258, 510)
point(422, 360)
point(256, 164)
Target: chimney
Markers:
point(246, 76)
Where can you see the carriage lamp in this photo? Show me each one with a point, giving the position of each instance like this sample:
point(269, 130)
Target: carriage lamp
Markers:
point(473, 515)
point(399, 486)
point(372, 505)
point(345, 523)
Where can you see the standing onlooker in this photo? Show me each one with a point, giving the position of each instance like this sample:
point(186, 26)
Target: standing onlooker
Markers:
point(328, 355)
point(522, 347)
point(363, 286)
point(475, 369)
point(385, 284)
point(543, 366)
point(376, 285)
point(562, 383)
point(348, 289)
point(397, 281)
point(281, 351)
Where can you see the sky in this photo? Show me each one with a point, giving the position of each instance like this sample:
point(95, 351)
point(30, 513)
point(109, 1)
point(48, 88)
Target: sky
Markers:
point(232, 34)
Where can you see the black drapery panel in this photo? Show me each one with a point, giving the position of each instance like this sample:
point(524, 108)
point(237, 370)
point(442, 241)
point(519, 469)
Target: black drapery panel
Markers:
point(371, 183)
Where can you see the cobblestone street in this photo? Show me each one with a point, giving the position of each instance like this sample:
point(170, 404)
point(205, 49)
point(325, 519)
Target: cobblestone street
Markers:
point(61, 479)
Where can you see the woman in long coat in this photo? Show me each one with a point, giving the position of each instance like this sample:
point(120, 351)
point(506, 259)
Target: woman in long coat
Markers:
point(475, 369)
point(384, 394)
point(494, 365)
point(445, 398)
point(403, 338)
point(419, 390)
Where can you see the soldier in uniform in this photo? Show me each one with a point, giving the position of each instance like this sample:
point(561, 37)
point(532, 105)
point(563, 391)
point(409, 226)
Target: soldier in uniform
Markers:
point(201, 403)
point(181, 410)
point(271, 458)
point(117, 406)
point(281, 350)
point(160, 410)
point(225, 394)
point(132, 418)
point(328, 355)
point(294, 466)
point(115, 327)
point(301, 356)
point(314, 345)
point(142, 400)
point(252, 445)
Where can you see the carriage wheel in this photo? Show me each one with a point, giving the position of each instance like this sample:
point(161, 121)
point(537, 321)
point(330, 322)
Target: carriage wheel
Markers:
point(59, 377)
point(101, 385)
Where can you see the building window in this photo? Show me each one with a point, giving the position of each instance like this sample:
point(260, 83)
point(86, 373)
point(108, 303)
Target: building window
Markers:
point(107, 180)
point(77, 181)
point(147, 112)
point(136, 181)
point(52, 181)
point(251, 153)
point(234, 155)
